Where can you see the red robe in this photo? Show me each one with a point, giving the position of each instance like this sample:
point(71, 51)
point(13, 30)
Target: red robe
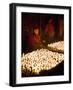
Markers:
point(49, 30)
point(34, 42)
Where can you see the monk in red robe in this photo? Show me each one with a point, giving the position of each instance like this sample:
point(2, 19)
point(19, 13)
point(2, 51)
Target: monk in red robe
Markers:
point(50, 30)
point(34, 40)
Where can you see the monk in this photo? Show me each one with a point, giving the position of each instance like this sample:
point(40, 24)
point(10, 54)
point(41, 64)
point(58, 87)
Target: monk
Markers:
point(50, 30)
point(35, 41)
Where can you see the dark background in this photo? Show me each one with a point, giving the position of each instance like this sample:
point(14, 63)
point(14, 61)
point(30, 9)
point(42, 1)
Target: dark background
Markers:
point(29, 20)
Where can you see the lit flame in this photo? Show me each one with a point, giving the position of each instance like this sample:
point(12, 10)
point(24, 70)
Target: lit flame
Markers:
point(40, 59)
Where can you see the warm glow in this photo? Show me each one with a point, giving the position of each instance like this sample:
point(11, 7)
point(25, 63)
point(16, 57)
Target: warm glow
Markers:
point(40, 59)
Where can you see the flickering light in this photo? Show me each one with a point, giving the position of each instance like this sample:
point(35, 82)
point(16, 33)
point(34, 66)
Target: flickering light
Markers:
point(40, 59)
point(58, 46)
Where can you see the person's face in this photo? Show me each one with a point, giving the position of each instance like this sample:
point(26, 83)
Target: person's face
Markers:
point(36, 31)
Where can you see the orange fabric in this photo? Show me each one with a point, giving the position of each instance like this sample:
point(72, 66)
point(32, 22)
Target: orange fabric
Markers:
point(49, 30)
point(33, 40)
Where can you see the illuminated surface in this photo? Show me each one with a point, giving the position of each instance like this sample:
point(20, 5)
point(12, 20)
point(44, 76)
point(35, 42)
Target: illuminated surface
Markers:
point(40, 59)
point(57, 46)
